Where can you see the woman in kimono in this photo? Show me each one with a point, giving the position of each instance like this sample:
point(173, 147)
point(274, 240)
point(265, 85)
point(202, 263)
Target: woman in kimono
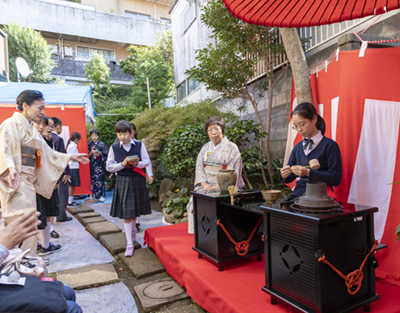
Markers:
point(27, 164)
point(98, 155)
point(217, 154)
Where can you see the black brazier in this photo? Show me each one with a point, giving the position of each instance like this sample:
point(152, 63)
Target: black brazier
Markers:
point(239, 220)
point(294, 242)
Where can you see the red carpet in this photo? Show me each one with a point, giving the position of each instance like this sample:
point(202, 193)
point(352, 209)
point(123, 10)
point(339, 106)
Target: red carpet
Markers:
point(237, 289)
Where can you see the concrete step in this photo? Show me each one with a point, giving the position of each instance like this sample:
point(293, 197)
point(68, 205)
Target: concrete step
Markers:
point(82, 209)
point(86, 215)
point(96, 219)
point(102, 228)
point(143, 263)
point(89, 276)
point(116, 243)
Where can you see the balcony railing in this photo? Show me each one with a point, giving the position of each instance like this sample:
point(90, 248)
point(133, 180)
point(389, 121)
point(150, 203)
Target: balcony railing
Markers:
point(316, 35)
point(74, 68)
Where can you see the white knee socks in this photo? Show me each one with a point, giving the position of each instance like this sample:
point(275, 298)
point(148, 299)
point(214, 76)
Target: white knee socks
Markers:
point(45, 236)
point(128, 233)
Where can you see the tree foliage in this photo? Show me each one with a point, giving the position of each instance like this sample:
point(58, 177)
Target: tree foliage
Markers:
point(29, 44)
point(157, 124)
point(155, 63)
point(96, 70)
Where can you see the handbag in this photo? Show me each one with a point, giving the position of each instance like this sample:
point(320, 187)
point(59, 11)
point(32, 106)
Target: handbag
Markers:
point(25, 264)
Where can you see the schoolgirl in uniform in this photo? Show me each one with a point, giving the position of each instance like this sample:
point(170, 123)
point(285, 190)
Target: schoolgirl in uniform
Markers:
point(311, 127)
point(72, 148)
point(47, 207)
point(130, 194)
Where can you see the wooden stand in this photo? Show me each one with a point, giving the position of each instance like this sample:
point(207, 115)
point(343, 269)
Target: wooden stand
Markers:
point(210, 239)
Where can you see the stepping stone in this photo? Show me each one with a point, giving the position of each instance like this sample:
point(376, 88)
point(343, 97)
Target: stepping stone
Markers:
point(89, 276)
point(116, 243)
point(143, 263)
point(153, 295)
point(102, 228)
point(86, 215)
point(191, 308)
point(95, 219)
point(81, 209)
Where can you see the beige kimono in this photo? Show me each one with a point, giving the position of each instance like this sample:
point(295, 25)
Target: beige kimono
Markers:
point(16, 132)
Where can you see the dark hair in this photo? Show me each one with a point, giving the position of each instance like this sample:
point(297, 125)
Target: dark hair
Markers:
point(28, 96)
point(216, 120)
point(308, 111)
point(44, 120)
point(74, 136)
point(134, 128)
point(94, 131)
point(56, 121)
point(123, 126)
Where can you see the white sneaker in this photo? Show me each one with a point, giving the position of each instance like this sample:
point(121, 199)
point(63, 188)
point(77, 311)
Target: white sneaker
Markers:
point(101, 199)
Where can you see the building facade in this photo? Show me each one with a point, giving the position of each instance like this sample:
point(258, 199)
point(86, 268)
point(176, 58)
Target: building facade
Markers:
point(75, 30)
point(3, 57)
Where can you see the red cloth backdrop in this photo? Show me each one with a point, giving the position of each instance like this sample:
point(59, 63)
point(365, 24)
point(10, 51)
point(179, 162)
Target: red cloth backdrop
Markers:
point(72, 116)
point(359, 100)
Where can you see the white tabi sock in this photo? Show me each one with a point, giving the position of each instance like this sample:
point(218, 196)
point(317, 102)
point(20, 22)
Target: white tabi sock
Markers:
point(128, 233)
point(70, 199)
point(45, 236)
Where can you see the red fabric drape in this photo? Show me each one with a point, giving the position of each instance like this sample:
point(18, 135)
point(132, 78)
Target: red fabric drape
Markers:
point(72, 116)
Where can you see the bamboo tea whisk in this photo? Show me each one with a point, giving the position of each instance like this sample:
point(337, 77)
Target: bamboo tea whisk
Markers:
point(232, 190)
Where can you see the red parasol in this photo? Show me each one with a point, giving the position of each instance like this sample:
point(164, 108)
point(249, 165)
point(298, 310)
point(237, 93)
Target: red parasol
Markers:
point(306, 13)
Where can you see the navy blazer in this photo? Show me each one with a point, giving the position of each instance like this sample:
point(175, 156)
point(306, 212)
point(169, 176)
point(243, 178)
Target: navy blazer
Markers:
point(59, 146)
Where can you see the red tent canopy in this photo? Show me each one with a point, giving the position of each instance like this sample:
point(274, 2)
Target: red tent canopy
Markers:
point(306, 13)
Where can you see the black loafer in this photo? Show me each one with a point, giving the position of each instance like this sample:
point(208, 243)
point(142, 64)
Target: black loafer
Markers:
point(54, 234)
point(66, 220)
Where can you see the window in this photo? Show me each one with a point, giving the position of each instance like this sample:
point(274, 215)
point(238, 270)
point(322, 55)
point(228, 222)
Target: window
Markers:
point(164, 20)
point(87, 52)
point(137, 16)
point(193, 84)
point(181, 91)
point(189, 15)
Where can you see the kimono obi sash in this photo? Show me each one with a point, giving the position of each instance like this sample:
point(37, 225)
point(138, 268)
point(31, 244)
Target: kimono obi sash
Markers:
point(211, 172)
point(30, 156)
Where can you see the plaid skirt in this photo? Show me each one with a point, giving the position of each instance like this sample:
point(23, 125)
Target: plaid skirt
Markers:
point(75, 178)
point(51, 204)
point(130, 197)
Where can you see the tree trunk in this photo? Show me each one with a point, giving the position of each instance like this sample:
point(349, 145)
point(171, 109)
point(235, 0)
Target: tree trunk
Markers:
point(298, 62)
point(268, 130)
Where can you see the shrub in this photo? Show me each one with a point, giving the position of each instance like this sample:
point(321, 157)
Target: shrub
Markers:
point(158, 123)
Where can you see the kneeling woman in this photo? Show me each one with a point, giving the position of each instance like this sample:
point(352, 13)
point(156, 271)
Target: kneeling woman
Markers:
point(311, 126)
point(219, 153)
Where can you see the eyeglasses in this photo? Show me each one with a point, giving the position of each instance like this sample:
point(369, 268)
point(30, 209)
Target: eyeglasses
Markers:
point(300, 126)
point(211, 129)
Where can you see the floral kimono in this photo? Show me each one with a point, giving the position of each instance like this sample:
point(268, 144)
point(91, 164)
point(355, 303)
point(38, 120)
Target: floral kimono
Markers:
point(211, 159)
point(97, 167)
point(17, 135)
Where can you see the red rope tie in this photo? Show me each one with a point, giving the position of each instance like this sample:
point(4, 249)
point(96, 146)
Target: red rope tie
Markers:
point(354, 278)
point(241, 247)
